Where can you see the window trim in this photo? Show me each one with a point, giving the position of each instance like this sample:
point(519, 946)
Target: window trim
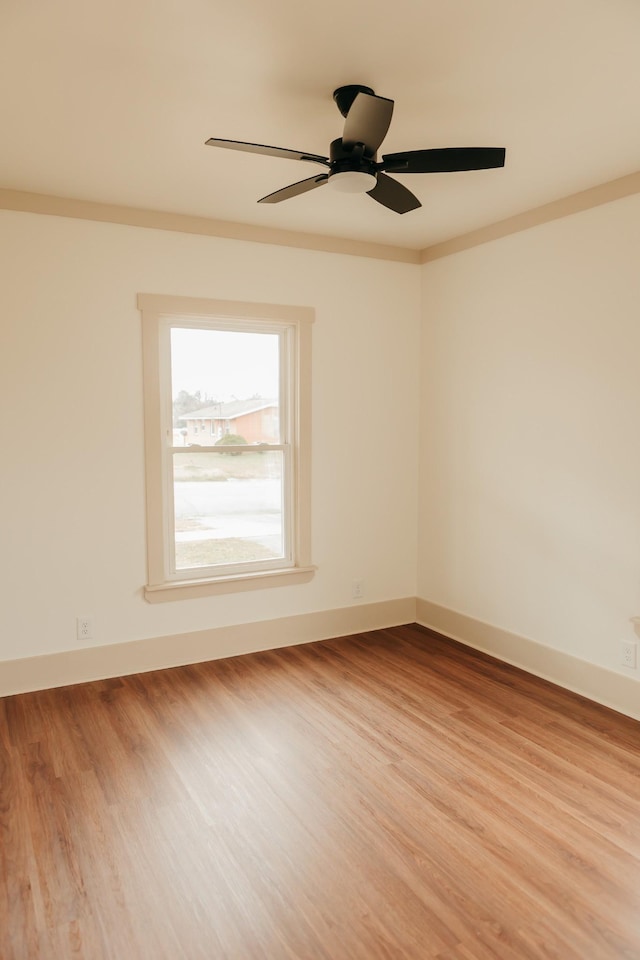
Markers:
point(155, 309)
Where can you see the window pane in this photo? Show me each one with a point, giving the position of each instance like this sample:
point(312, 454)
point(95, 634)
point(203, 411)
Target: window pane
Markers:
point(228, 507)
point(225, 387)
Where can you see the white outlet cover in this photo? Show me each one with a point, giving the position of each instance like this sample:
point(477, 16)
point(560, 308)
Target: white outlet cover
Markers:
point(629, 652)
point(84, 628)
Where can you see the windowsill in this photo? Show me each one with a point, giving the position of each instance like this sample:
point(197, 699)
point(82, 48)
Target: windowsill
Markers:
point(192, 589)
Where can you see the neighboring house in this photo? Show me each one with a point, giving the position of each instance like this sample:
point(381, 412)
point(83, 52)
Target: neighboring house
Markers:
point(254, 420)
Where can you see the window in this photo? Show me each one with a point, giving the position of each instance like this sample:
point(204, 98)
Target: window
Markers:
point(231, 513)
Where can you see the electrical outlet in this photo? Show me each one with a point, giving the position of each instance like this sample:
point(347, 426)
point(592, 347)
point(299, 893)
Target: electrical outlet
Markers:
point(357, 589)
point(628, 654)
point(84, 628)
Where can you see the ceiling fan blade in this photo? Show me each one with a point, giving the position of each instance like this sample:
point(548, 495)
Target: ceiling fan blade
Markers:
point(394, 195)
point(295, 189)
point(367, 122)
point(268, 151)
point(446, 160)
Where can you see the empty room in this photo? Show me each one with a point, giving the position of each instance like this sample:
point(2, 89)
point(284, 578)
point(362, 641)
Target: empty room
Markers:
point(320, 505)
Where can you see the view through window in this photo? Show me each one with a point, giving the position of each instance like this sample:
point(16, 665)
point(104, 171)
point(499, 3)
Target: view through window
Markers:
point(229, 470)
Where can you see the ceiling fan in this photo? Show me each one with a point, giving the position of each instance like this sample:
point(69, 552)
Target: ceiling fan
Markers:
point(352, 165)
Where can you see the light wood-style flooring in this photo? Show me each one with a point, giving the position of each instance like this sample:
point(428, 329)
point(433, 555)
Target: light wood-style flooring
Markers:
point(388, 796)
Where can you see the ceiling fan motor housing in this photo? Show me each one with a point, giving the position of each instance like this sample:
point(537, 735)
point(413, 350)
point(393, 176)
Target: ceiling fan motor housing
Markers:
point(353, 161)
point(341, 159)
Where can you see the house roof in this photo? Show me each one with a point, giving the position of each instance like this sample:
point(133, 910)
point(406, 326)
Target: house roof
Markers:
point(230, 410)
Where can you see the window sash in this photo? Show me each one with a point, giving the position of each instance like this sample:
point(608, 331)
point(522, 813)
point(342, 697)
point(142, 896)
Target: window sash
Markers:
point(173, 572)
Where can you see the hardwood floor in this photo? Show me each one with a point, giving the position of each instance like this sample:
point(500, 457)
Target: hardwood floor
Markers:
point(385, 796)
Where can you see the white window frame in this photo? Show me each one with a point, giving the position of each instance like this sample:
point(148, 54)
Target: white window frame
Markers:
point(159, 313)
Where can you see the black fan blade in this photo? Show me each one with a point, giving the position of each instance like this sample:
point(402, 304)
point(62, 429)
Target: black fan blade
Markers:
point(394, 195)
point(268, 151)
point(295, 189)
point(367, 122)
point(446, 160)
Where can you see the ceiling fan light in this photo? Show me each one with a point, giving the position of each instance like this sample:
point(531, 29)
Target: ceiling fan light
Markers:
point(352, 181)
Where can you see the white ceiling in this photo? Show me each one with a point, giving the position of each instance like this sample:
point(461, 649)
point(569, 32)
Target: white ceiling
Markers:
point(112, 101)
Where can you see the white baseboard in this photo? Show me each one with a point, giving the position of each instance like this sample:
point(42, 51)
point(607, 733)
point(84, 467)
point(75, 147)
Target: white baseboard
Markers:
point(611, 689)
point(604, 686)
point(157, 653)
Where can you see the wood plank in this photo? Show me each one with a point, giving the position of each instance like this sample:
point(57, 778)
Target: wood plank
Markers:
point(384, 796)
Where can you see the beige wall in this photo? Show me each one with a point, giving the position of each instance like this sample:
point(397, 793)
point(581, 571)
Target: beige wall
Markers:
point(72, 504)
point(525, 400)
point(530, 453)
